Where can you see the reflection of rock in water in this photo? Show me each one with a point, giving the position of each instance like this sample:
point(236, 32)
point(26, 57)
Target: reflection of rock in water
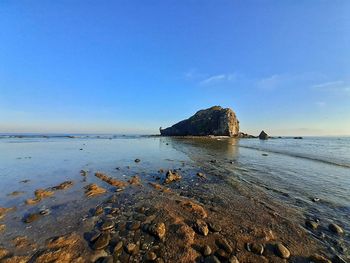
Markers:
point(205, 149)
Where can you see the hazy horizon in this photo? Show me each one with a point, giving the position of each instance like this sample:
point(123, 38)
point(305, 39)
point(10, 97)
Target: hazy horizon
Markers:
point(131, 67)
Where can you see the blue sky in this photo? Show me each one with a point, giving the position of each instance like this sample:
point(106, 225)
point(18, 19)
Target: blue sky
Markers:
point(133, 66)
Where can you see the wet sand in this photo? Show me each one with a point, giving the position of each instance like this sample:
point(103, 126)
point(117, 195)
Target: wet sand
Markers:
point(200, 215)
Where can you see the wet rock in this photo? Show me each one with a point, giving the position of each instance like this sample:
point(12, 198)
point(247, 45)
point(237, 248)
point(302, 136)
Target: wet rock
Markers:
point(15, 193)
point(335, 229)
point(97, 255)
point(44, 211)
point(151, 256)
point(214, 227)
point(202, 175)
point(224, 244)
point(172, 176)
point(16, 259)
point(4, 252)
point(98, 210)
point(311, 224)
point(63, 186)
point(2, 227)
point(233, 259)
point(102, 241)
point(42, 193)
point(319, 259)
point(110, 180)
point(25, 181)
point(130, 248)
point(263, 135)
point(108, 259)
point(134, 225)
point(107, 225)
point(212, 121)
point(158, 230)
point(315, 199)
point(207, 250)
point(159, 260)
point(255, 248)
point(31, 218)
point(93, 190)
point(137, 160)
point(282, 251)
point(135, 180)
point(201, 227)
point(194, 208)
point(83, 173)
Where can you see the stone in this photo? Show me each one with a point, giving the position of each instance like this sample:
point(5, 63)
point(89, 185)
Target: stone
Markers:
point(233, 259)
point(201, 227)
point(255, 248)
point(172, 176)
point(108, 259)
point(31, 218)
point(135, 180)
point(130, 248)
point(151, 256)
point(207, 250)
point(158, 230)
point(335, 229)
point(282, 251)
point(338, 259)
point(2, 227)
point(224, 244)
point(216, 121)
point(263, 135)
point(137, 160)
point(93, 190)
point(63, 186)
point(319, 259)
point(4, 211)
point(222, 254)
point(311, 224)
point(4, 252)
point(110, 180)
point(133, 225)
point(107, 225)
point(102, 241)
point(214, 227)
point(202, 175)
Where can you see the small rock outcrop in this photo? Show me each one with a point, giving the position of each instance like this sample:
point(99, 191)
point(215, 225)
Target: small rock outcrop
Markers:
point(216, 121)
point(263, 135)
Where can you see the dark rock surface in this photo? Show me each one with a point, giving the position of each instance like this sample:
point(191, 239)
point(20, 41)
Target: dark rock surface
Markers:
point(263, 135)
point(213, 121)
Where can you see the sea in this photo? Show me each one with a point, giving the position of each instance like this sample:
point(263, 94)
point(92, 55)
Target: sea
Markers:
point(310, 175)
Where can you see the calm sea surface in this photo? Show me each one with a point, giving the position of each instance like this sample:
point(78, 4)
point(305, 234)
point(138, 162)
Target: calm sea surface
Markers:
point(288, 170)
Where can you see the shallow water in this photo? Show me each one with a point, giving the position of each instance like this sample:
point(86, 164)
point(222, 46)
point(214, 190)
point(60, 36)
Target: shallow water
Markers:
point(288, 171)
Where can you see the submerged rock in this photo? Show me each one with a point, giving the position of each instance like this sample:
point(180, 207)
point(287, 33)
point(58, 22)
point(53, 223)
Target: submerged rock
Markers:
point(172, 176)
point(263, 135)
point(213, 121)
point(93, 190)
point(282, 251)
point(201, 227)
point(335, 229)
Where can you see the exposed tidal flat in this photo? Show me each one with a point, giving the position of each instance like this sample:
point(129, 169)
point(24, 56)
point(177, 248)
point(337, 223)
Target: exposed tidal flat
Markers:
point(164, 199)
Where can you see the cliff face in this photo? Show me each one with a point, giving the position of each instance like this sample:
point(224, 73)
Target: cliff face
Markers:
point(213, 121)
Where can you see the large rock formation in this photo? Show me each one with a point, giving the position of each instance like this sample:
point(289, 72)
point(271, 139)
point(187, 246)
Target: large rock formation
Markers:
point(213, 121)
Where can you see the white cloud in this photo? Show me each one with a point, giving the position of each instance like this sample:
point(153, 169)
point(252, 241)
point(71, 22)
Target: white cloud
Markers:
point(215, 79)
point(337, 86)
point(273, 82)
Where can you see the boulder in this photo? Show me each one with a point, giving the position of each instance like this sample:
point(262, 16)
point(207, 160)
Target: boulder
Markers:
point(263, 135)
point(216, 121)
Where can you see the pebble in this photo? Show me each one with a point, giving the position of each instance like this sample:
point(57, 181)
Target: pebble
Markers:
point(45, 212)
point(233, 259)
point(311, 224)
point(130, 248)
point(201, 227)
point(201, 175)
point(222, 254)
point(102, 241)
point(151, 256)
point(207, 250)
point(134, 225)
point(31, 218)
point(335, 229)
point(282, 251)
point(315, 199)
point(118, 246)
point(224, 244)
point(137, 160)
point(157, 230)
point(159, 260)
point(319, 259)
point(214, 227)
point(255, 248)
point(108, 259)
point(107, 225)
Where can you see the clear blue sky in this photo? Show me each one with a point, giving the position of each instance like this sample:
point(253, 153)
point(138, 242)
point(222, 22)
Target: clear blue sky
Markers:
point(132, 66)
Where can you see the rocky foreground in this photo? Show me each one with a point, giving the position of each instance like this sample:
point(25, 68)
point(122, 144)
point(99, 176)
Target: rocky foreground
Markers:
point(181, 215)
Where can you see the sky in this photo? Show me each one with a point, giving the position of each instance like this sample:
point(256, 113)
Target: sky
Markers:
point(132, 66)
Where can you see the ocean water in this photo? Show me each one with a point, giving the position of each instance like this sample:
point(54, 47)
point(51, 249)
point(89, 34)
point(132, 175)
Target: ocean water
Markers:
point(292, 172)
